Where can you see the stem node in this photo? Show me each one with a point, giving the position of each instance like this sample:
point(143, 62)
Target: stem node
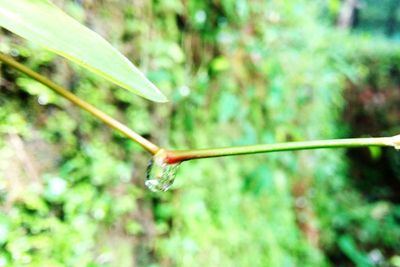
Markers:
point(396, 141)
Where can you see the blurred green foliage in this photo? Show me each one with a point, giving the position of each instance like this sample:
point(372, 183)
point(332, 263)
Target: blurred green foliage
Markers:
point(379, 17)
point(237, 72)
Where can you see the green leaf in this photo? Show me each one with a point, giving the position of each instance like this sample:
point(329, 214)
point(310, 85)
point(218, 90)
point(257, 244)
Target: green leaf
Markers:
point(43, 23)
point(348, 246)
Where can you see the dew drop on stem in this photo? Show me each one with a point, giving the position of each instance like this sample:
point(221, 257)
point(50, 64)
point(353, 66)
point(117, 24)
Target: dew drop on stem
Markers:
point(160, 175)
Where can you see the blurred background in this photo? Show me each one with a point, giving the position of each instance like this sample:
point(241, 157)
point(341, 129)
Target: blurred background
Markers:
point(236, 72)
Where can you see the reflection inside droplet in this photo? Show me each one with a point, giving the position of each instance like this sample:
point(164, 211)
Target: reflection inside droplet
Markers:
point(160, 175)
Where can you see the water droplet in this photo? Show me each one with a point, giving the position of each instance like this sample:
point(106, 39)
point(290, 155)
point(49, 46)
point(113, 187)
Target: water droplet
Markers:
point(160, 175)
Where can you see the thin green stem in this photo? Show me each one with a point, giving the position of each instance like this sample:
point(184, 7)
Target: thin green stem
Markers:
point(146, 144)
point(175, 156)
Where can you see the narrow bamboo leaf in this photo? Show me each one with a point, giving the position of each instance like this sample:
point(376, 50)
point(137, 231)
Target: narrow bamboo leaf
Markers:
point(43, 23)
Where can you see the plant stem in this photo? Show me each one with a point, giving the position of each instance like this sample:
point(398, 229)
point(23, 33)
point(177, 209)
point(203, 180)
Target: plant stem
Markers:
point(146, 144)
point(176, 156)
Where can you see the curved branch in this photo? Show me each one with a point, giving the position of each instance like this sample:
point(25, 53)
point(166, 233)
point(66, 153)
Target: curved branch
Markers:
point(146, 144)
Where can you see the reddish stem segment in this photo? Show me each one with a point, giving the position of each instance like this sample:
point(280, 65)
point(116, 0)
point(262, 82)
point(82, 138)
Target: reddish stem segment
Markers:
point(176, 156)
